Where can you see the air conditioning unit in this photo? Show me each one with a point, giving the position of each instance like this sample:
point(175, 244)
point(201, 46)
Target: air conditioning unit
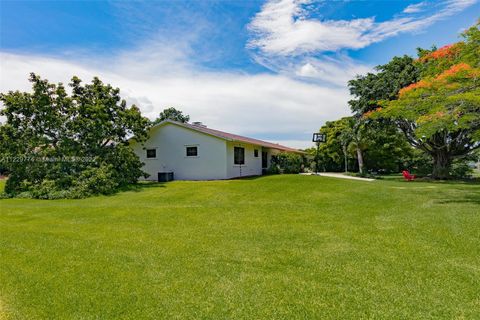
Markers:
point(165, 176)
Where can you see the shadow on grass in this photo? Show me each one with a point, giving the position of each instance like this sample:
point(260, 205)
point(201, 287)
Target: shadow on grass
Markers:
point(461, 192)
point(251, 177)
point(400, 178)
point(138, 187)
point(142, 185)
point(473, 198)
point(262, 176)
point(465, 191)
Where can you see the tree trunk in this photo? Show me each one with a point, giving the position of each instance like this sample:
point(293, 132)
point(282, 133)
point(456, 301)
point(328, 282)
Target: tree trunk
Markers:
point(441, 165)
point(360, 160)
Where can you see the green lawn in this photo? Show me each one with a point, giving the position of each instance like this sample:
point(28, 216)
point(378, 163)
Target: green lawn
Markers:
point(277, 247)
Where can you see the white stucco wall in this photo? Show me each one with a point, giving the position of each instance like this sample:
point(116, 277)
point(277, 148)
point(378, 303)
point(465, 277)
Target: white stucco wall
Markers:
point(252, 166)
point(170, 141)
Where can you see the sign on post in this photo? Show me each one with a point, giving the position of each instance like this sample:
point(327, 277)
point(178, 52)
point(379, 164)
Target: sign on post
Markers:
point(319, 137)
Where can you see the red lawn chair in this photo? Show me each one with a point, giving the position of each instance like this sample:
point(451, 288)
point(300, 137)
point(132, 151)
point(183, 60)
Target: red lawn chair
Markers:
point(408, 176)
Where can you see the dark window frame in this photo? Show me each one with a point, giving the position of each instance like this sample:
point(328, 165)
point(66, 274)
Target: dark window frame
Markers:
point(191, 154)
point(238, 156)
point(149, 156)
point(255, 153)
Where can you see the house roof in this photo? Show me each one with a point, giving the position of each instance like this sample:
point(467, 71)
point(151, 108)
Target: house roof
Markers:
point(230, 136)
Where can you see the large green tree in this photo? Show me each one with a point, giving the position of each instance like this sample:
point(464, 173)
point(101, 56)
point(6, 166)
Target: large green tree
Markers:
point(171, 114)
point(440, 113)
point(371, 144)
point(367, 91)
point(56, 144)
point(386, 150)
point(331, 153)
point(384, 84)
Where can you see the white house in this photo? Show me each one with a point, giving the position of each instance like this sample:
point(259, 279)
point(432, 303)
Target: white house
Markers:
point(195, 152)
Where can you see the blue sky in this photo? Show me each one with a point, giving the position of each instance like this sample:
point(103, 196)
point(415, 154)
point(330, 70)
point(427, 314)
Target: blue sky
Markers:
point(274, 70)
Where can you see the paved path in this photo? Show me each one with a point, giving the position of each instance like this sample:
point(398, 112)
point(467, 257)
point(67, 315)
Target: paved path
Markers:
point(339, 175)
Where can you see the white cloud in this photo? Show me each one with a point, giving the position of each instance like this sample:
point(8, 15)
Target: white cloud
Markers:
point(326, 71)
point(285, 39)
point(414, 8)
point(283, 28)
point(308, 70)
point(262, 105)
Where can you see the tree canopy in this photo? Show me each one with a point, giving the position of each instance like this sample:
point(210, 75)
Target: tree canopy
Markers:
point(56, 144)
point(385, 84)
point(172, 114)
point(433, 100)
point(440, 113)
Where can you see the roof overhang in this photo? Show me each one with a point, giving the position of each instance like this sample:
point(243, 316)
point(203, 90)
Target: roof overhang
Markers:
point(228, 136)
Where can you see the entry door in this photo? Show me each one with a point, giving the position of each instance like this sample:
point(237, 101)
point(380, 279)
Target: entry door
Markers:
point(264, 160)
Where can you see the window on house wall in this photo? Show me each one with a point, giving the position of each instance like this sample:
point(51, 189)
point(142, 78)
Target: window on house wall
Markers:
point(151, 153)
point(192, 151)
point(255, 153)
point(238, 155)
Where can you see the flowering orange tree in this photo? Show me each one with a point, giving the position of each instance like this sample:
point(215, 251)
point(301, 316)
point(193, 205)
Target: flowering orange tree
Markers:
point(440, 113)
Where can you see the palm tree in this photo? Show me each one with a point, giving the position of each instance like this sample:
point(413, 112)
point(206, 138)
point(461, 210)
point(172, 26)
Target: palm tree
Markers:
point(353, 142)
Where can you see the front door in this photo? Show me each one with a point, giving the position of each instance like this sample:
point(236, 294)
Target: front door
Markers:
point(264, 160)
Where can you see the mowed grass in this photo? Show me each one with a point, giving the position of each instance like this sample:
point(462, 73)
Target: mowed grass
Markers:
point(277, 247)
